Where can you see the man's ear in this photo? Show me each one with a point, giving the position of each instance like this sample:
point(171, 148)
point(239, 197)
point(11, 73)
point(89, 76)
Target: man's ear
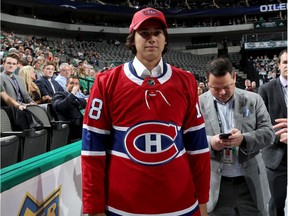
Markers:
point(235, 75)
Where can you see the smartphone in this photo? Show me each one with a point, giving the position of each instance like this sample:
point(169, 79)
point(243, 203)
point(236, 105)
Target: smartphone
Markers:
point(224, 136)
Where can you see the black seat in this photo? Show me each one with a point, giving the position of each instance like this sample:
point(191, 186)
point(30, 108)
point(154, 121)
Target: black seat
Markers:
point(9, 150)
point(58, 131)
point(32, 142)
point(55, 121)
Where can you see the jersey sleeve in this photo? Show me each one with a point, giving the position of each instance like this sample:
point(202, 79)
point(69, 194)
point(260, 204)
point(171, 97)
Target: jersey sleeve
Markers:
point(95, 138)
point(196, 144)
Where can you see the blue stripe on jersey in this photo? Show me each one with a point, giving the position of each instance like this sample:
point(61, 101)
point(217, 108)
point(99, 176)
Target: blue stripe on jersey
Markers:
point(195, 140)
point(92, 141)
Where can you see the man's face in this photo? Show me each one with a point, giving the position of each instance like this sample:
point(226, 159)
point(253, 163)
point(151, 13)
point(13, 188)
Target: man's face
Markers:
point(283, 65)
point(201, 84)
point(247, 83)
point(10, 65)
point(222, 87)
point(66, 71)
point(150, 41)
point(71, 83)
point(48, 71)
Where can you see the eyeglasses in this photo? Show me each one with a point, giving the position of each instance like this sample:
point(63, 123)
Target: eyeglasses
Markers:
point(226, 88)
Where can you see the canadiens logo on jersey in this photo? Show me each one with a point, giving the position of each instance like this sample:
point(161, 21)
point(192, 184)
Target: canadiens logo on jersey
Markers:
point(152, 143)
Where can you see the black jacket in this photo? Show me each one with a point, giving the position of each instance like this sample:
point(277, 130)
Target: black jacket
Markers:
point(68, 107)
point(273, 97)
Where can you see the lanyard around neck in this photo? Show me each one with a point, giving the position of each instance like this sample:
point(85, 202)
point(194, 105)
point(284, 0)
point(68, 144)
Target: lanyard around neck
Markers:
point(220, 122)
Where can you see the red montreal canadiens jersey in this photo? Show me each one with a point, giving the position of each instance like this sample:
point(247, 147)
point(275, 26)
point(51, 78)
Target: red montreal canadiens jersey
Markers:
point(144, 146)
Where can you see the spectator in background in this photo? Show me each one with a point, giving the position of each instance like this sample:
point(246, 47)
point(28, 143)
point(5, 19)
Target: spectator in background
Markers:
point(68, 107)
point(273, 75)
point(86, 82)
point(21, 63)
point(247, 84)
point(38, 66)
point(202, 85)
point(200, 90)
point(29, 76)
point(254, 87)
point(73, 70)
point(48, 56)
point(48, 87)
point(275, 97)
point(13, 84)
point(64, 74)
point(80, 65)
point(29, 60)
point(269, 77)
point(56, 61)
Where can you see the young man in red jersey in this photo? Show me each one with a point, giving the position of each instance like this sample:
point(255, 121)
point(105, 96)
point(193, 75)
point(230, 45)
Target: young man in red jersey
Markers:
point(144, 148)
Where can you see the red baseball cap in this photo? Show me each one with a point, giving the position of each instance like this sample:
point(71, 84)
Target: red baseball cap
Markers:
point(145, 14)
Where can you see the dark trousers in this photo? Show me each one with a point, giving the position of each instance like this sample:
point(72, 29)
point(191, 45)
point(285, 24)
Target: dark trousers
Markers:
point(278, 187)
point(235, 199)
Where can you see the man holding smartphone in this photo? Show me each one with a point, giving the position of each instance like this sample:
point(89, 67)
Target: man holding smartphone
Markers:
point(237, 126)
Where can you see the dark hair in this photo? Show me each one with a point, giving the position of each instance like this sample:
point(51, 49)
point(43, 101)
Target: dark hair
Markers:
point(72, 77)
point(280, 54)
point(12, 55)
point(219, 67)
point(130, 42)
point(49, 63)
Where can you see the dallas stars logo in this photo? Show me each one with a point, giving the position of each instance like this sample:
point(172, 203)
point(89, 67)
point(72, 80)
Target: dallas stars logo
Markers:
point(48, 207)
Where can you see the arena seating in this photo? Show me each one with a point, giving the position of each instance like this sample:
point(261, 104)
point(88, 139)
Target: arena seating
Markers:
point(57, 131)
point(32, 142)
point(9, 147)
point(111, 53)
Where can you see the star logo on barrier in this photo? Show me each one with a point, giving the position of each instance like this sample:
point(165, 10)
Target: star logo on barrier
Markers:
point(49, 206)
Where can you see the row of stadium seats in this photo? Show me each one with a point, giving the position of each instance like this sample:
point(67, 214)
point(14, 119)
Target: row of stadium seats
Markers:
point(111, 53)
point(17, 146)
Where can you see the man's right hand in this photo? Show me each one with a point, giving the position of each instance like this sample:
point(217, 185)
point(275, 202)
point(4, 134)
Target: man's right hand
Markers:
point(216, 143)
point(75, 89)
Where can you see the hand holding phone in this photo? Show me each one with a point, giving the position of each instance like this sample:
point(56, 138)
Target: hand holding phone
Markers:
point(224, 135)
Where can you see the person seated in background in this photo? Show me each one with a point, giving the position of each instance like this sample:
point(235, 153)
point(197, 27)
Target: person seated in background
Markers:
point(29, 60)
point(29, 76)
point(68, 107)
point(48, 87)
point(203, 86)
point(254, 87)
point(38, 67)
point(64, 74)
point(13, 84)
point(8, 100)
point(87, 81)
point(73, 70)
point(200, 90)
point(247, 84)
